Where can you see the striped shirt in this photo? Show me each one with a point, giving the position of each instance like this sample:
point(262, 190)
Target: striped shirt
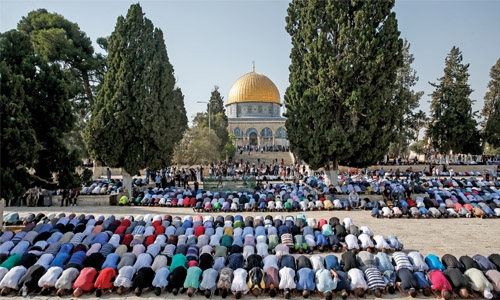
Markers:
point(77, 238)
point(401, 261)
point(374, 278)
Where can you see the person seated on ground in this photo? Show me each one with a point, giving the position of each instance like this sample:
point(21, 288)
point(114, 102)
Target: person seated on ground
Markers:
point(85, 281)
point(441, 287)
point(192, 281)
point(208, 283)
point(353, 199)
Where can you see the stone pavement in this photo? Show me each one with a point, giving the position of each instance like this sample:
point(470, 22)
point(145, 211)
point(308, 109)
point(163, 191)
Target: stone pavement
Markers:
point(461, 236)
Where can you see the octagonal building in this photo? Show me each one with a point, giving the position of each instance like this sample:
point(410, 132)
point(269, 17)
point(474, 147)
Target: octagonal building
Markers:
point(254, 111)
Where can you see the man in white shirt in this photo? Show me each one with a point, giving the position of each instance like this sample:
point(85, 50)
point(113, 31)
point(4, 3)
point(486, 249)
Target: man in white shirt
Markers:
point(287, 281)
point(239, 285)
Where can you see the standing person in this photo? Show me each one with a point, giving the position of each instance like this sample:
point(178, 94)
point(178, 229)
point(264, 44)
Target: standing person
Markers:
point(47, 198)
point(108, 174)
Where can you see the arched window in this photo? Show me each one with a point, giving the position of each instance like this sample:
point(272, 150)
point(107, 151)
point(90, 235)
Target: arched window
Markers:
point(281, 133)
point(251, 130)
point(237, 132)
point(266, 133)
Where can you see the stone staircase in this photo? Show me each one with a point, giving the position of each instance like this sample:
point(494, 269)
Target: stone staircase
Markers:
point(265, 157)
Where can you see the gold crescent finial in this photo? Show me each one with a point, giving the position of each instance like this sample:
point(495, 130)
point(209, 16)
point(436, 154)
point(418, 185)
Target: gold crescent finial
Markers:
point(253, 65)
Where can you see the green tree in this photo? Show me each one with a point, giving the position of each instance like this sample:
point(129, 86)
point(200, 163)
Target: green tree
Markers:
point(35, 113)
point(218, 118)
point(139, 113)
point(230, 147)
point(453, 126)
point(63, 42)
point(344, 61)
point(491, 109)
point(406, 101)
point(198, 146)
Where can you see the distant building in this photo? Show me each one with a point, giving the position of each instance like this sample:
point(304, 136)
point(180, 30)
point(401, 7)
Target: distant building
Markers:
point(254, 112)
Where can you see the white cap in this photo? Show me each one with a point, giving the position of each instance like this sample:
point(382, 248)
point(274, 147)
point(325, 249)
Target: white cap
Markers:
point(487, 294)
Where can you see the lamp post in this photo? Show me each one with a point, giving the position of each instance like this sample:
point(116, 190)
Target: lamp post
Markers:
point(208, 104)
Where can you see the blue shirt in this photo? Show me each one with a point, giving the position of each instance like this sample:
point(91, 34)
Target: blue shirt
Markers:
point(434, 263)
point(305, 279)
point(101, 238)
point(77, 258)
point(422, 281)
point(111, 261)
point(332, 262)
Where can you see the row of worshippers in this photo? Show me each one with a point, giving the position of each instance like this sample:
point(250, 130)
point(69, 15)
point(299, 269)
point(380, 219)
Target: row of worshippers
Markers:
point(426, 207)
point(81, 241)
point(356, 273)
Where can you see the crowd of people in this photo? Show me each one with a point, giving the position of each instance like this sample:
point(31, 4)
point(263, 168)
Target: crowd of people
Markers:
point(444, 197)
point(275, 256)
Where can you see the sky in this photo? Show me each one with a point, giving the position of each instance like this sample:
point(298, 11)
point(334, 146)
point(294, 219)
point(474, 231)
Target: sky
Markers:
point(212, 43)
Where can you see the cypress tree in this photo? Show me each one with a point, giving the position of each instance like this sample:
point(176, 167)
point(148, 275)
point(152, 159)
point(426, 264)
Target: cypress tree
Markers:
point(139, 112)
point(491, 109)
point(344, 58)
point(452, 126)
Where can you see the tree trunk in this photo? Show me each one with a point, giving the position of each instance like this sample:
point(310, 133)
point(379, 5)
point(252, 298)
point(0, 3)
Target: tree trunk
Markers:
point(88, 90)
point(127, 183)
point(331, 173)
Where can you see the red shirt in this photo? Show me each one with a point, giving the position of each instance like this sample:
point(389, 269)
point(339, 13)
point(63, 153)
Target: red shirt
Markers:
point(199, 230)
point(150, 239)
point(127, 239)
point(120, 230)
point(439, 281)
point(321, 223)
point(85, 280)
point(103, 281)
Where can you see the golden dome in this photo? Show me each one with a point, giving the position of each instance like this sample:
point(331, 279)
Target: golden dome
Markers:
point(253, 87)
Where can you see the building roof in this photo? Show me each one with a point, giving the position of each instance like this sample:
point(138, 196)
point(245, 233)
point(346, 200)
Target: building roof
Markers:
point(253, 87)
